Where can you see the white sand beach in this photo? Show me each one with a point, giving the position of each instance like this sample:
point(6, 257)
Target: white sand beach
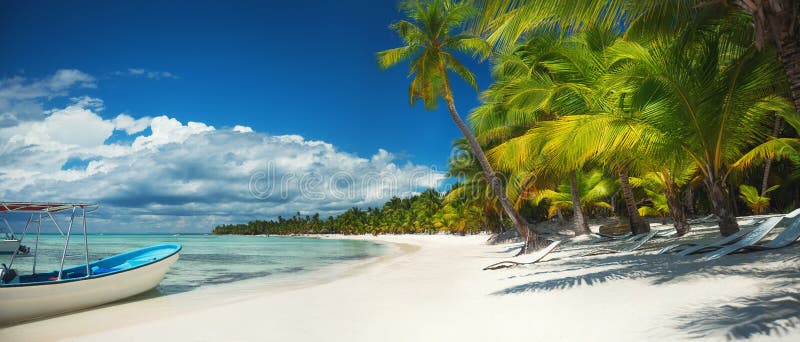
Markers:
point(432, 288)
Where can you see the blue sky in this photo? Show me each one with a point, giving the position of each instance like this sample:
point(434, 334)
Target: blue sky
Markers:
point(162, 109)
point(294, 67)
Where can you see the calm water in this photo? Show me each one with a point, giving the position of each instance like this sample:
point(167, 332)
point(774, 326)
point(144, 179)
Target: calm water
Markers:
point(205, 259)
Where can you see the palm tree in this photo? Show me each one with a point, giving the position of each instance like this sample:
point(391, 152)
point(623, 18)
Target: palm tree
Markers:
point(774, 148)
point(430, 44)
point(658, 206)
point(704, 96)
point(473, 186)
point(663, 186)
point(544, 80)
point(776, 22)
point(757, 202)
point(593, 189)
point(709, 93)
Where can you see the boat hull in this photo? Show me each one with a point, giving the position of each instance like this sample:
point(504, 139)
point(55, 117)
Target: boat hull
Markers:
point(29, 301)
point(8, 246)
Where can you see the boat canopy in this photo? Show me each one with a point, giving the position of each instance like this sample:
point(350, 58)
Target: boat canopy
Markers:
point(41, 212)
point(41, 207)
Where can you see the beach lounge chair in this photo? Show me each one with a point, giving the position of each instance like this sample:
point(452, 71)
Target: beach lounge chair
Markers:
point(694, 247)
point(766, 225)
point(525, 259)
point(789, 218)
point(640, 239)
point(785, 238)
point(666, 233)
point(613, 237)
point(711, 218)
point(748, 240)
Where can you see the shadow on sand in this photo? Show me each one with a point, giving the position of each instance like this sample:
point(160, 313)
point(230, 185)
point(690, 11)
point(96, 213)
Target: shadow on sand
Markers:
point(774, 311)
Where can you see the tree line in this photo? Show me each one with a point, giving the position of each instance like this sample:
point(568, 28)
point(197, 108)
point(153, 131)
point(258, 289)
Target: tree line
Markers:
point(600, 108)
point(428, 212)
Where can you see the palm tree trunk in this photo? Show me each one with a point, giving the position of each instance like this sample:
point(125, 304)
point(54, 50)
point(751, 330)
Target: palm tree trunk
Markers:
point(677, 213)
point(578, 219)
point(768, 163)
point(638, 225)
point(689, 200)
point(789, 51)
point(721, 206)
point(560, 217)
point(534, 242)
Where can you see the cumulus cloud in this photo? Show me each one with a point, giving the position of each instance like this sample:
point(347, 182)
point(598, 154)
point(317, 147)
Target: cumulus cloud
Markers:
point(242, 129)
point(130, 125)
point(168, 130)
point(189, 176)
point(151, 74)
point(21, 99)
point(75, 125)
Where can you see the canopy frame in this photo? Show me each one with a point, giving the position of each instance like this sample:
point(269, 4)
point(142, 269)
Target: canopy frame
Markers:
point(40, 211)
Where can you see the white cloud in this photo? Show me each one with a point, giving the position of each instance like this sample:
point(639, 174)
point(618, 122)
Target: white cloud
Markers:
point(242, 129)
point(75, 125)
point(168, 130)
point(151, 74)
point(185, 176)
point(192, 175)
point(130, 125)
point(21, 98)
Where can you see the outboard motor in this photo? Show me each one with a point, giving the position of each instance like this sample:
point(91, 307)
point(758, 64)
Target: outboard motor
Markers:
point(6, 274)
point(24, 249)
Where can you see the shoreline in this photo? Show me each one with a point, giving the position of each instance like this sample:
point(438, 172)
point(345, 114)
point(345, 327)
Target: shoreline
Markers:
point(73, 325)
point(432, 288)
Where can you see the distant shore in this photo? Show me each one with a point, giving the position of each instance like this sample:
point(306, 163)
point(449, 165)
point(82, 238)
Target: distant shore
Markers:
point(432, 288)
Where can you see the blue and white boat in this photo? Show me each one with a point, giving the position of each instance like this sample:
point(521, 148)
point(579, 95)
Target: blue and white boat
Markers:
point(40, 294)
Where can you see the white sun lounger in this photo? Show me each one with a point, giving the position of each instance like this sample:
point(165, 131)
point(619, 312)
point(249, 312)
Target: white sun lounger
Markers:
point(607, 237)
point(748, 240)
point(641, 240)
point(711, 218)
point(789, 218)
point(693, 247)
point(785, 238)
point(667, 233)
point(525, 259)
point(762, 229)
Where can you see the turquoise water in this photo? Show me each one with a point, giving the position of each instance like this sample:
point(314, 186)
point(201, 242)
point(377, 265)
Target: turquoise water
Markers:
point(205, 259)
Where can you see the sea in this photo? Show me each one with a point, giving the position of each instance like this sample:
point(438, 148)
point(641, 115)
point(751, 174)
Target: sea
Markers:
point(205, 260)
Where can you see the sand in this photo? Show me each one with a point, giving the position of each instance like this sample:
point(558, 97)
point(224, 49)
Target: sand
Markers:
point(432, 288)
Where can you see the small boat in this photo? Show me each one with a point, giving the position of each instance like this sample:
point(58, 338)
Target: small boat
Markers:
point(35, 295)
point(10, 244)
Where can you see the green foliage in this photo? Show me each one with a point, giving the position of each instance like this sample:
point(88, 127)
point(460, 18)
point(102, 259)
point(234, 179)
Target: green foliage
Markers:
point(654, 187)
point(429, 42)
point(427, 212)
point(681, 97)
point(594, 189)
point(757, 202)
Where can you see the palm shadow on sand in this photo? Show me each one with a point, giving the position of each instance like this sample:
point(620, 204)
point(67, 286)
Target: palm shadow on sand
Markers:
point(774, 311)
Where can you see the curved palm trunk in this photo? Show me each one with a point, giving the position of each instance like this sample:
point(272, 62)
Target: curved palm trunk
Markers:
point(789, 51)
point(534, 241)
point(721, 206)
point(776, 22)
point(676, 212)
point(579, 220)
point(637, 224)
